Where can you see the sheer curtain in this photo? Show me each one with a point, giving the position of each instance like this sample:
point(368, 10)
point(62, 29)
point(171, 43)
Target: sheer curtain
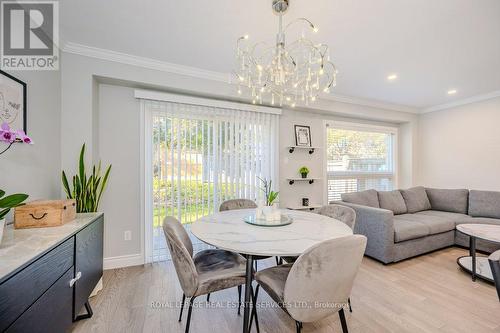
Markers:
point(202, 156)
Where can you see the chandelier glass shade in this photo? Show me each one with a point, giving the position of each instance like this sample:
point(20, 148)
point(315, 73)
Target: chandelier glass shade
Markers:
point(284, 73)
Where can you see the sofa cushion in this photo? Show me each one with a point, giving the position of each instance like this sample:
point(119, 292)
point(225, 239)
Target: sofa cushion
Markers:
point(392, 200)
point(436, 224)
point(479, 220)
point(450, 216)
point(365, 198)
point(416, 199)
point(446, 200)
point(484, 204)
point(406, 229)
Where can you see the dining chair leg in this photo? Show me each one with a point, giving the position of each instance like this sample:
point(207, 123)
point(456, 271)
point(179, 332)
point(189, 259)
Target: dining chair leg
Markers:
point(182, 306)
point(343, 321)
point(254, 310)
point(208, 297)
point(189, 314)
point(256, 266)
point(349, 302)
point(298, 326)
point(239, 300)
point(248, 287)
point(277, 261)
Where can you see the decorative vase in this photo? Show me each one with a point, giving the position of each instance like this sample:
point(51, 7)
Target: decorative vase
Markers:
point(304, 175)
point(2, 225)
point(267, 212)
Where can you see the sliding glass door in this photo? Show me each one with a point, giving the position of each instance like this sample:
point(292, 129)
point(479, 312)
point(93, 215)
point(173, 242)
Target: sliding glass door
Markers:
point(202, 156)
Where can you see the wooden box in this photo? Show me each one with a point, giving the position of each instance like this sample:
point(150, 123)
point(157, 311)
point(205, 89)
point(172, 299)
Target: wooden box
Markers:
point(44, 213)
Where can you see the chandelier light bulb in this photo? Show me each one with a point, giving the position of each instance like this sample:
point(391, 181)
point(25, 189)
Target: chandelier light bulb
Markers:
point(287, 69)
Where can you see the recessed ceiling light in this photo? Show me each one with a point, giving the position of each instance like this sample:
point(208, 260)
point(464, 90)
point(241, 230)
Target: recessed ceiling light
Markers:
point(392, 77)
point(452, 92)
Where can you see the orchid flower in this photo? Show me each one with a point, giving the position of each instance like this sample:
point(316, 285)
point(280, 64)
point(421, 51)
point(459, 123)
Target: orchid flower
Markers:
point(9, 136)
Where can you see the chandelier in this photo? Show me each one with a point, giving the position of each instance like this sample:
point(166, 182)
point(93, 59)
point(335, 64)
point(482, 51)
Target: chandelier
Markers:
point(285, 73)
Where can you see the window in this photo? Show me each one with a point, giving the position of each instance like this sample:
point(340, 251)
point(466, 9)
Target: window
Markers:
point(359, 157)
point(201, 156)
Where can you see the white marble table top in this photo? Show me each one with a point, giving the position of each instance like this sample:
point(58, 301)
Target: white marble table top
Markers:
point(227, 231)
point(20, 246)
point(484, 231)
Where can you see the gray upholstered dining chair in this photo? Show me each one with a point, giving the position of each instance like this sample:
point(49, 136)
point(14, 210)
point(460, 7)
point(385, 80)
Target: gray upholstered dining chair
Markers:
point(494, 260)
point(208, 271)
point(318, 284)
point(237, 204)
point(344, 214)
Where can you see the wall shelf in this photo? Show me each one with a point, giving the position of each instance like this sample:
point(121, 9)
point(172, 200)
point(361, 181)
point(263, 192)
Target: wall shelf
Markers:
point(300, 207)
point(291, 181)
point(311, 150)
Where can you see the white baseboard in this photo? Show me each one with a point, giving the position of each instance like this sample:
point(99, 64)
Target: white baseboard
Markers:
point(123, 261)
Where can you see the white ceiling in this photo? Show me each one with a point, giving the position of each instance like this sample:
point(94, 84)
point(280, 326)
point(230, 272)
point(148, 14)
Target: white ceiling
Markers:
point(433, 45)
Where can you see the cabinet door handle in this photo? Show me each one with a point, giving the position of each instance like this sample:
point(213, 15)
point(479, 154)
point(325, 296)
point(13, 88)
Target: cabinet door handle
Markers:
point(73, 281)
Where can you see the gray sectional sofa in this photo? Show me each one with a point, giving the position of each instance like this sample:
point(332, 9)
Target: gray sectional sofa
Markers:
point(404, 223)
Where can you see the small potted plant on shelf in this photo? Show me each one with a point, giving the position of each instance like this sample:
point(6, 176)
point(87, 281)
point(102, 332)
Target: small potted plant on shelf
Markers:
point(6, 204)
point(304, 171)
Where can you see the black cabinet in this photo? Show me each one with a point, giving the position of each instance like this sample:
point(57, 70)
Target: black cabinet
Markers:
point(88, 262)
point(24, 288)
point(47, 294)
point(51, 312)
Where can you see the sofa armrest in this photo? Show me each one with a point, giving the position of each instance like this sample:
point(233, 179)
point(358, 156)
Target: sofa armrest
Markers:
point(378, 226)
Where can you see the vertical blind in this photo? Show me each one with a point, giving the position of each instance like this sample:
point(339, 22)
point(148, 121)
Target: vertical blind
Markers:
point(359, 159)
point(202, 156)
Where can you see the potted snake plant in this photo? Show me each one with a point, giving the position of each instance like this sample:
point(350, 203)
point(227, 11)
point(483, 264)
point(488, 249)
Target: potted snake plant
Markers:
point(85, 188)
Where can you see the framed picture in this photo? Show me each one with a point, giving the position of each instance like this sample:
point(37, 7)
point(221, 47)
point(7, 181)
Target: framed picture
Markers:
point(12, 102)
point(302, 136)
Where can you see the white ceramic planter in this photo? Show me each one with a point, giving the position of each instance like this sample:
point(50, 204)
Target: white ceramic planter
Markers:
point(2, 225)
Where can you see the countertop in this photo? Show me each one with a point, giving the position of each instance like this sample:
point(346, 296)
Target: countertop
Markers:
point(20, 247)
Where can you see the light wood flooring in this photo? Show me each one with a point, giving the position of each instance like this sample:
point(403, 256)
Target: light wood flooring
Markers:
point(424, 294)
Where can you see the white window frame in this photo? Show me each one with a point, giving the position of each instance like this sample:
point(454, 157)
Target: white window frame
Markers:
point(355, 126)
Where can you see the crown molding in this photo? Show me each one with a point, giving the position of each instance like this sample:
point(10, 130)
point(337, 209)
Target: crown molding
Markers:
point(465, 101)
point(129, 59)
point(149, 63)
point(369, 102)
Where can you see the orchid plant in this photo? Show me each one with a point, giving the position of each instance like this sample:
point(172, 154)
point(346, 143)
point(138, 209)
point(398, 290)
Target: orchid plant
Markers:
point(11, 136)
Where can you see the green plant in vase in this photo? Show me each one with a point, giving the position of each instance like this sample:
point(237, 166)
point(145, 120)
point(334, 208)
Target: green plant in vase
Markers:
point(304, 171)
point(270, 195)
point(86, 190)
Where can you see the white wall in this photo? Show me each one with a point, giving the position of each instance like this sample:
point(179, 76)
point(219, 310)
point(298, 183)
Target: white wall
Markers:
point(460, 147)
point(119, 145)
point(35, 169)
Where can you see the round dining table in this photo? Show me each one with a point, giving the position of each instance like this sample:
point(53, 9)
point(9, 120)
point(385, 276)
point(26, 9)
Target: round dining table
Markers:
point(228, 231)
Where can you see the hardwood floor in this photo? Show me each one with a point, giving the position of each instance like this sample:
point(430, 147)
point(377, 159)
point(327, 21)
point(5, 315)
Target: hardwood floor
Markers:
point(424, 294)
